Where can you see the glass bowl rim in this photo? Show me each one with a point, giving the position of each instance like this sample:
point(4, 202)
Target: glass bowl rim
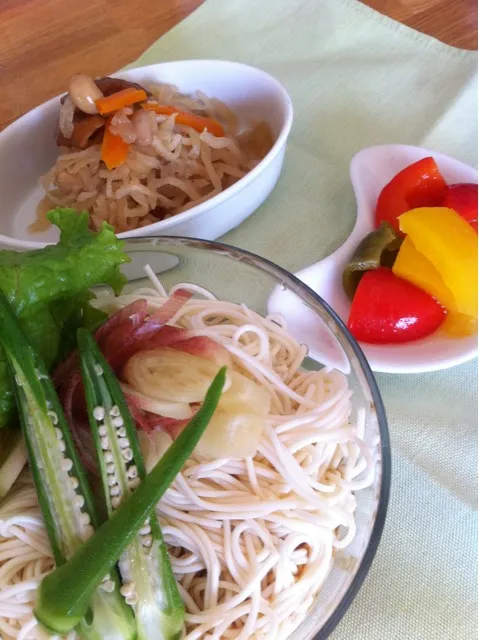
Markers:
point(384, 489)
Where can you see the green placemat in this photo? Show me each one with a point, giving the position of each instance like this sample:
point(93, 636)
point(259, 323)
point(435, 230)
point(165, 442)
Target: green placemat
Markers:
point(357, 79)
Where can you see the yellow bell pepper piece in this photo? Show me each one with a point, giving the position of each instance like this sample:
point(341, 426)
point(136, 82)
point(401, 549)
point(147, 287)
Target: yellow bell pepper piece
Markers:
point(458, 325)
point(450, 245)
point(413, 266)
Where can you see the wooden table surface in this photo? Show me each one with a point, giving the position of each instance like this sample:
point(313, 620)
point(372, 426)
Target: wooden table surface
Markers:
point(45, 41)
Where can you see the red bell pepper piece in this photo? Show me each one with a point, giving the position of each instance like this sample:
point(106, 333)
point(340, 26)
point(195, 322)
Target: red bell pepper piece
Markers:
point(387, 309)
point(418, 185)
point(463, 199)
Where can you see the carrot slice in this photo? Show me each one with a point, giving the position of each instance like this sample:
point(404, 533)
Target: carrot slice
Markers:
point(120, 99)
point(114, 149)
point(198, 123)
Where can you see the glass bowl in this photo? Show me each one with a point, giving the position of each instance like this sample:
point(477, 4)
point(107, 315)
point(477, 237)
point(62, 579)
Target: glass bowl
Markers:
point(238, 276)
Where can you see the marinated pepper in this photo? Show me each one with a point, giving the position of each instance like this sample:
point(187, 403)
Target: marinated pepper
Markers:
point(413, 266)
point(450, 244)
point(378, 248)
point(418, 185)
point(463, 199)
point(389, 310)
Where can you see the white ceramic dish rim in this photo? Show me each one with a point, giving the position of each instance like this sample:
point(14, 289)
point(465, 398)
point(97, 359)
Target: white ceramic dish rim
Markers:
point(221, 197)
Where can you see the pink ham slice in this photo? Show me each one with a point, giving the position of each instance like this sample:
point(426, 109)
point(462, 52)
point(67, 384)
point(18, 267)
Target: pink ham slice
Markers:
point(132, 315)
point(125, 333)
point(119, 347)
point(71, 394)
point(203, 347)
point(148, 421)
point(126, 319)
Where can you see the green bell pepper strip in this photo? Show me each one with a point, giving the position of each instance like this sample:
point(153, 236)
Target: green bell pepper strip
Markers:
point(148, 579)
point(63, 596)
point(62, 489)
point(378, 248)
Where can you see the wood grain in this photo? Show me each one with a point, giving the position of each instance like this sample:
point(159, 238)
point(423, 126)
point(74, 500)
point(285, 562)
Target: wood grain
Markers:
point(45, 41)
point(452, 21)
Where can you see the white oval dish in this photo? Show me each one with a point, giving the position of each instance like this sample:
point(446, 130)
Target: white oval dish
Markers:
point(370, 170)
point(28, 150)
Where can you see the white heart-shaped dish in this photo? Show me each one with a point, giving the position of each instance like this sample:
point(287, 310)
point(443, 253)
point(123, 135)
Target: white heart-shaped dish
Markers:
point(371, 169)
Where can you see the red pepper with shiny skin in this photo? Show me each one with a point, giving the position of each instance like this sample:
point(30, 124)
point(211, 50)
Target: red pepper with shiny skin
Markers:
point(419, 185)
point(463, 199)
point(388, 310)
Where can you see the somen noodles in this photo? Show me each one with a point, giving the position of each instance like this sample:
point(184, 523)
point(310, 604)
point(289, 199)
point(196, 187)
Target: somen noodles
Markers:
point(252, 540)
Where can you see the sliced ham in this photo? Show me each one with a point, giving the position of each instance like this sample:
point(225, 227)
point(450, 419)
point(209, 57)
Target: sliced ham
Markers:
point(164, 314)
point(133, 314)
point(148, 422)
point(203, 347)
point(118, 349)
point(125, 333)
point(166, 337)
point(126, 319)
point(117, 336)
point(72, 397)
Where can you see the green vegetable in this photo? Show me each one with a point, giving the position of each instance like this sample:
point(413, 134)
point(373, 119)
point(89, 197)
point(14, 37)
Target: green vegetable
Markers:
point(13, 457)
point(63, 596)
point(62, 489)
point(148, 580)
point(48, 289)
point(378, 248)
point(79, 314)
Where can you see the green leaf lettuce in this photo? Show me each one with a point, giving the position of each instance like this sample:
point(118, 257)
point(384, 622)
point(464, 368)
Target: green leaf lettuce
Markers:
point(49, 289)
